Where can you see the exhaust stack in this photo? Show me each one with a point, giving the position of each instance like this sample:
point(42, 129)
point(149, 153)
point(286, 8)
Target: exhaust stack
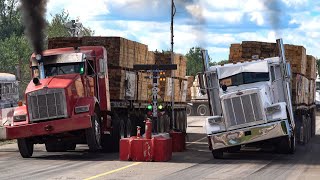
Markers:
point(40, 66)
point(205, 58)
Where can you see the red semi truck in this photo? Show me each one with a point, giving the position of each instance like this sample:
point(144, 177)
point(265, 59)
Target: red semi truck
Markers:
point(68, 103)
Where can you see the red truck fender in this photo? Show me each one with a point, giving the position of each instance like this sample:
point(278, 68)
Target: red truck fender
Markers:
point(85, 104)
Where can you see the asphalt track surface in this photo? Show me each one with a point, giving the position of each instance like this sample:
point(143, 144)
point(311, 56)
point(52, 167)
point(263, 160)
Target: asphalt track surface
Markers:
point(195, 163)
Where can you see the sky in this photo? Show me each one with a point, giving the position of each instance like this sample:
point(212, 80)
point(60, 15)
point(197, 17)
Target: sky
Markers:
point(210, 24)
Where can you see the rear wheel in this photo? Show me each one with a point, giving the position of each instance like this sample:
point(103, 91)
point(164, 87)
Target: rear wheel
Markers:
point(189, 110)
point(25, 147)
point(93, 134)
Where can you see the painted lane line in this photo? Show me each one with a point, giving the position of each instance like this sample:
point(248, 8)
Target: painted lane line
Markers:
point(194, 142)
point(112, 171)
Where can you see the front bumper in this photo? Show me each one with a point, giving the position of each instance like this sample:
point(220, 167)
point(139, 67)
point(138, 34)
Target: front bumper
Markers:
point(77, 122)
point(248, 135)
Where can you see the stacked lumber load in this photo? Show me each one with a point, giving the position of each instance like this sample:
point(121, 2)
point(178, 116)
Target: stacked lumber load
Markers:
point(180, 82)
point(61, 42)
point(122, 54)
point(144, 87)
point(190, 80)
point(303, 66)
point(249, 50)
point(180, 60)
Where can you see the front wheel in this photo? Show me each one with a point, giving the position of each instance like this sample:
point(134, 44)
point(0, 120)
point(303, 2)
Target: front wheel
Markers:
point(25, 147)
point(217, 154)
point(93, 134)
point(287, 145)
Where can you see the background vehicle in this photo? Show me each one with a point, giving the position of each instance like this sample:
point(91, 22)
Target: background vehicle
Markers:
point(84, 90)
point(197, 103)
point(260, 101)
point(9, 97)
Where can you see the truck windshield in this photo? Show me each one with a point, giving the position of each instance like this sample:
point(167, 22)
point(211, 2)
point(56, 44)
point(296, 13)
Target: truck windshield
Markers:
point(245, 78)
point(65, 68)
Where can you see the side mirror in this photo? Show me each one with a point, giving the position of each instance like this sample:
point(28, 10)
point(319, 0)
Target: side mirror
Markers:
point(102, 64)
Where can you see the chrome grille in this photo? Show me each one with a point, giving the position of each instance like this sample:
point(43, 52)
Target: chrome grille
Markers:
point(47, 104)
point(242, 110)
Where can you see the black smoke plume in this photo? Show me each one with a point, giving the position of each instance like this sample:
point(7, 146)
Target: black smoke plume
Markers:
point(34, 21)
point(198, 21)
point(274, 12)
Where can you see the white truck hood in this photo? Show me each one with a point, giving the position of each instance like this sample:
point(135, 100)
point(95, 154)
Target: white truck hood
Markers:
point(256, 66)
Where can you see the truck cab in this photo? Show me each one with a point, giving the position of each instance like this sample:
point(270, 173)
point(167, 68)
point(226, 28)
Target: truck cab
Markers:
point(67, 101)
point(249, 104)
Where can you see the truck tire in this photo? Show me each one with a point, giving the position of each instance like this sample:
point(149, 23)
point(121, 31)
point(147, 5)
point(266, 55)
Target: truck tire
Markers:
point(25, 147)
point(217, 154)
point(189, 110)
point(93, 134)
point(286, 145)
point(202, 110)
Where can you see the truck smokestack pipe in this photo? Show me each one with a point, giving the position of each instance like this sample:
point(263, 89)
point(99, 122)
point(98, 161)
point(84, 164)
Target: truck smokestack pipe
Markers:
point(281, 50)
point(205, 58)
point(40, 66)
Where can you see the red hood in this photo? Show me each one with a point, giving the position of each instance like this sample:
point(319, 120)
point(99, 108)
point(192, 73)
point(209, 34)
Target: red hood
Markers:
point(55, 82)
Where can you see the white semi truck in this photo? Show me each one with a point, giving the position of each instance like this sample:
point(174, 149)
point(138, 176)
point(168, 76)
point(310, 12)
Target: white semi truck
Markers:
point(250, 103)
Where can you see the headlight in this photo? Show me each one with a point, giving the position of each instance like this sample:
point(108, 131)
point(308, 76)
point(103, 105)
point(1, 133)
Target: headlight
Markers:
point(215, 120)
point(273, 109)
point(19, 118)
point(81, 109)
point(215, 124)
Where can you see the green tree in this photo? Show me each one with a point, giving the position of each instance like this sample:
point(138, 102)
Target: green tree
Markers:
point(10, 19)
point(57, 26)
point(15, 51)
point(194, 61)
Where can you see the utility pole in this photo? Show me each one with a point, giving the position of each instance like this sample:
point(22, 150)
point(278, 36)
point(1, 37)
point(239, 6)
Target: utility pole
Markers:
point(173, 12)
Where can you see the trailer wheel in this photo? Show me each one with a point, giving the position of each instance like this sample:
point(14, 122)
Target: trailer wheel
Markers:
point(202, 110)
point(93, 134)
point(217, 154)
point(189, 110)
point(25, 147)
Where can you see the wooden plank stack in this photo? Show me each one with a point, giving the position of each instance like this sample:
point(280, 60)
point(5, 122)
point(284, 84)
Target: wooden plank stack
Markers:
point(303, 66)
point(296, 55)
point(190, 80)
point(122, 54)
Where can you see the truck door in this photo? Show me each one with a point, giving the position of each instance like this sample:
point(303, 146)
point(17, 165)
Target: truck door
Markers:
point(276, 83)
point(91, 79)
